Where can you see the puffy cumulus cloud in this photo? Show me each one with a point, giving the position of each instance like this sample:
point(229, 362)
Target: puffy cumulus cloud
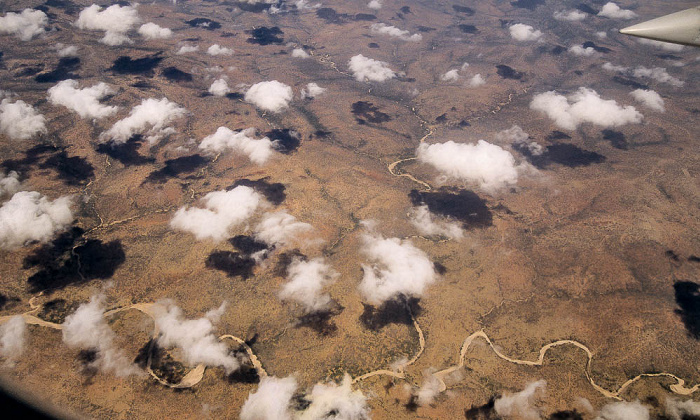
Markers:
point(152, 117)
point(398, 268)
point(375, 4)
point(86, 101)
point(243, 142)
point(300, 53)
point(195, 337)
point(25, 25)
point(658, 74)
point(272, 400)
point(222, 211)
point(186, 49)
point(570, 15)
point(29, 216)
point(304, 5)
point(336, 398)
point(429, 389)
point(217, 49)
point(578, 50)
point(450, 76)
point(219, 87)
point(483, 163)
point(679, 410)
point(280, 228)
point(477, 80)
point(613, 11)
point(13, 339)
point(151, 30)
point(623, 410)
point(9, 184)
point(20, 121)
point(668, 46)
point(649, 98)
point(393, 31)
point(584, 106)
point(522, 32)
point(306, 280)
point(517, 136)
point(521, 405)
point(115, 21)
point(428, 224)
point(66, 50)
point(312, 90)
point(86, 329)
point(270, 96)
point(370, 70)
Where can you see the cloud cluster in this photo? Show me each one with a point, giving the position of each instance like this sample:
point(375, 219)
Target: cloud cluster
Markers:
point(649, 98)
point(195, 337)
point(613, 11)
point(280, 228)
point(580, 51)
point(477, 80)
point(429, 389)
point(270, 96)
point(272, 399)
point(517, 136)
point(623, 410)
point(584, 106)
point(219, 87)
point(29, 216)
point(657, 73)
point(9, 184)
point(430, 225)
point(222, 211)
point(13, 339)
point(306, 280)
point(522, 32)
point(151, 30)
point(375, 4)
point(521, 405)
point(485, 164)
point(368, 69)
point(217, 49)
point(299, 53)
point(668, 46)
point(20, 121)
point(86, 329)
point(570, 15)
point(115, 21)
point(243, 142)
point(186, 49)
point(86, 101)
point(312, 90)
point(152, 117)
point(25, 25)
point(398, 268)
point(393, 31)
point(450, 76)
point(679, 410)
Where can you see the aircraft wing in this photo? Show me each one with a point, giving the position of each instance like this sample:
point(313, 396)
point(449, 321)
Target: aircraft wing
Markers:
point(679, 28)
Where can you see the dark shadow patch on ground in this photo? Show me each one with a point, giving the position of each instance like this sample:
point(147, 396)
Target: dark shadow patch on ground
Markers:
point(373, 45)
point(507, 72)
point(73, 170)
point(463, 205)
point(29, 70)
point(396, 311)
point(586, 9)
point(597, 48)
point(629, 82)
point(616, 139)
point(688, 298)
point(7, 302)
point(162, 362)
point(57, 310)
point(174, 74)
point(566, 415)
point(204, 23)
point(284, 259)
point(63, 71)
point(273, 192)
point(143, 65)
point(364, 17)
point(482, 412)
point(266, 36)
point(127, 153)
point(468, 29)
point(694, 258)
point(175, 167)
point(422, 28)
point(527, 4)
point(563, 154)
point(331, 16)
point(247, 244)
point(284, 140)
point(558, 135)
point(463, 9)
point(366, 111)
point(68, 6)
point(322, 322)
point(234, 264)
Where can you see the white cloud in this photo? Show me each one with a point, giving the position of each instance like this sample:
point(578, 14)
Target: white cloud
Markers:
point(280, 228)
point(429, 389)
point(398, 268)
point(312, 90)
point(578, 50)
point(272, 399)
point(678, 410)
point(613, 11)
point(522, 32)
point(115, 20)
point(20, 121)
point(668, 46)
point(13, 339)
point(483, 163)
point(86, 101)
point(450, 76)
point(428, 224)
point(217, 49)
point(219, 87)
point(306, 280)
point(383, 29)
point(30, 216)
point(521, 405)
point(584, 106)
point(516, 135)
point(195, 337)
point(9, 184)
point(270, 96)
point(375, 4)
point(186, 49)
point(368, 69)
point(300, 53)
point(222, 211)
point(649, 98)
point(570, 15)
point(151, 30)
point(66, 50)
point(303, 5)
point(86, 329)
point(152, 117)
point(332, 398)
point(657, 73)
point(623, 410)
point(477, 80)
point(25, 25)
point(601, 35)
point(257, 150)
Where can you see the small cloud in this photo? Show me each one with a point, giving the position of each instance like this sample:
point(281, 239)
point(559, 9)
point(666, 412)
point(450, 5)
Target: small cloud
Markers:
point(679, 410)
point(428, 224)
point(601, 35)
point(580, 51)
point(336, 398)
point(383, 29)
point(13, 339)
point(522, 32)
point(450, 76)
point(370, 70)
point(9, 184)
point(115, 20)
point(521, 405)
point(613, 11)
point(305, 283)
point(476, 81)
point(20, 121)
point(152, 117)
point(186, 49)
point(280, 228)
point(257, 150)
point(657, 73)
point(25, 25)
point(66, 50)
point(570, 15)
point(31, 217)
point(217, 49)
point(272, 399)
point(429, 389)
point(152, 31)
point(312, 90)
point(300, 53)
point(649, 98)
point(219, 87)
point(85, 102)
point(270, 96)
point(375, 4)
point(623, 410)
